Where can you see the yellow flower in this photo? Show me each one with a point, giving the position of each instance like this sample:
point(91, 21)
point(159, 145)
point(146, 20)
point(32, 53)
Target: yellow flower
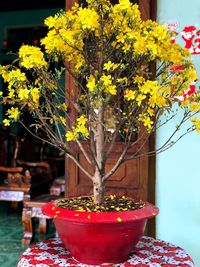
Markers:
point(110, 66)
point(140, 46)
point(63, 120)
point(16, 75)
point(147, 122)
point(111, 89)
point(70, 136)
point(138, 79)
point(88, 18)
point(149, 87)
point(123, 5)
point(23, 94)
point(31, 57)
point(34, 92)
point(11, 93)
point(130, 94)
point(82, 120)
point(195, 106)
point(50, 22)
point(122, 80)
point(150, 111)
point(91, 83)
point(157, 100)
point(121, 38)
point(106, 79)
point(196, 122)
point(13, 113)
point(6, 122)
point(140, 98)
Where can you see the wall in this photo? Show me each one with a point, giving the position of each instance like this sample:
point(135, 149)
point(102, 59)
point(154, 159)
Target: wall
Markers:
point(178, 175)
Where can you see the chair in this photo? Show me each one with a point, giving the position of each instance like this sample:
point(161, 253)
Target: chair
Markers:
point(15, 184)
point(21, 179)
point(32, 209)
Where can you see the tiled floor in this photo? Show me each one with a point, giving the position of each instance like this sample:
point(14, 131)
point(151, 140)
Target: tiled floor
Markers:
point(11, 233)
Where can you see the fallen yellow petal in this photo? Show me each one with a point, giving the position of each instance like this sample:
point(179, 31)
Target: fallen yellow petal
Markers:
point(119, 219)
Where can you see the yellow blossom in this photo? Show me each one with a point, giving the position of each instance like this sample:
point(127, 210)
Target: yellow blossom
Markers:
point(23, 94)
point(81, 128)
point(150, 111)
point(157, 100)
point(70, 136)
point(16, 75)
point(121, 38)
point(110, 66)
point(196, 122)
point(11, 93)
point(34, 92)
point(140, 98)
point(91, 83)
point(88, 18)
point(194, 106)
point(6, 122)
point(123, 5)
point(130, 94)
point(122, 80)
point(140, 46)
point(146, 120)
point(13, 113)
point(31, 56)
point(111, 89)
point(138, 79)
point(63, 120)
point(106, 79)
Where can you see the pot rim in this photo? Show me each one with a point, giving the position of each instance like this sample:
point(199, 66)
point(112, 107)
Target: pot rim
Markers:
point(52, 210)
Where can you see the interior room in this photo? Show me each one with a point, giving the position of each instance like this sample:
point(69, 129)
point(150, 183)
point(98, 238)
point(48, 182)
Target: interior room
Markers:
point(122, 69)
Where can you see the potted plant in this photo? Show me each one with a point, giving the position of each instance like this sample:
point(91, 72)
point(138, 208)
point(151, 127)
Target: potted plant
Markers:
point(109, 52)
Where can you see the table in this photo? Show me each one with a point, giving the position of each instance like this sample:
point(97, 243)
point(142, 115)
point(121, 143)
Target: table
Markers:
point(149, 252)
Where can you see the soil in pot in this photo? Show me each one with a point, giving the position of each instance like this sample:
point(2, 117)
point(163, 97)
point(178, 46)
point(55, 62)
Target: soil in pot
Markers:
point(111, 203)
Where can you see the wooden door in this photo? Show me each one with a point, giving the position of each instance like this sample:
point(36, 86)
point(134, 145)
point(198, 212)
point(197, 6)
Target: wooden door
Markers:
point(134, 177)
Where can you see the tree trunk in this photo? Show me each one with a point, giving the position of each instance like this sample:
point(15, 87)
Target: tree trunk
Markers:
point(98, 188)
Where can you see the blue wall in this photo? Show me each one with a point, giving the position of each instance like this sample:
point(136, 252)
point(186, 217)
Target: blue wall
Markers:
point(178, 173)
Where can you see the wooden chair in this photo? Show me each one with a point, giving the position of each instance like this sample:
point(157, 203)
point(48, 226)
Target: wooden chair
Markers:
point(15, 184)
point(41, 176)
point(21, 179)
point(27, 176)
point(32, 209)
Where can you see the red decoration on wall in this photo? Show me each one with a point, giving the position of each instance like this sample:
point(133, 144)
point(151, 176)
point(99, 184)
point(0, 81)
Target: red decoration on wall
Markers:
point(172, 27)
point(190, 35)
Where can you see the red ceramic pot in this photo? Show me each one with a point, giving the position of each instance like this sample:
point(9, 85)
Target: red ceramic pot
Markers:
point(100, 237)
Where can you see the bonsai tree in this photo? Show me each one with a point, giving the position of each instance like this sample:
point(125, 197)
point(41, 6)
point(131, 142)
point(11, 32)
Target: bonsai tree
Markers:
point(110, 53)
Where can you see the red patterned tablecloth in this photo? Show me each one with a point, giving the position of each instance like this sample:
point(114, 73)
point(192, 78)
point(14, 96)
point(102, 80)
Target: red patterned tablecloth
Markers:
point(149, 252)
